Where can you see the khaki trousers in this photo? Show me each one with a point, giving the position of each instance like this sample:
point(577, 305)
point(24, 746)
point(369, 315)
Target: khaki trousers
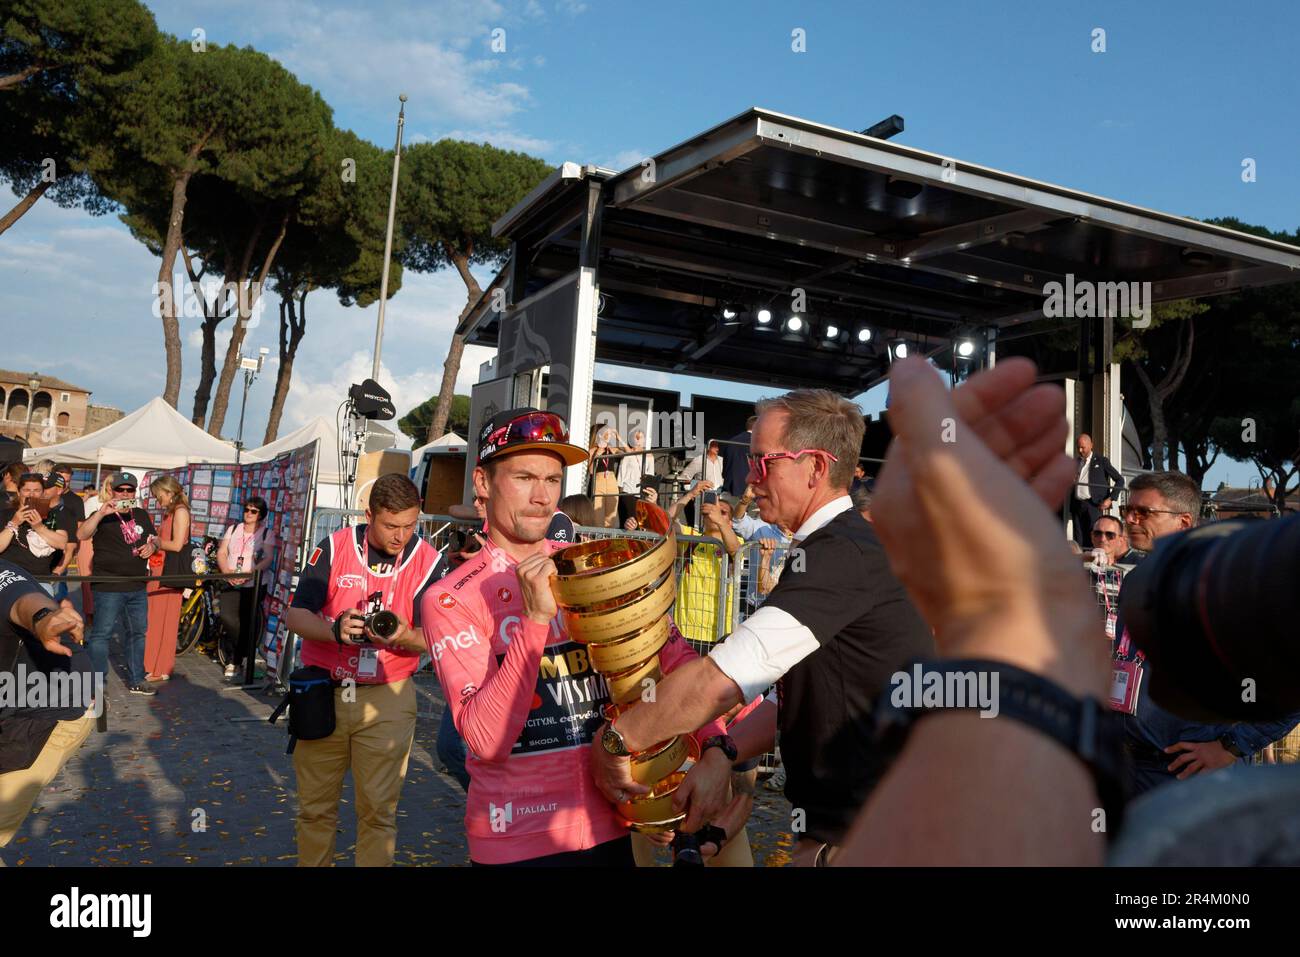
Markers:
point(20, 789)
point(372, 736)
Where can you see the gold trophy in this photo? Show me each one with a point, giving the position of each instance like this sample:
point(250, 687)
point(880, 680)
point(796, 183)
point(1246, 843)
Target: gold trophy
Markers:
point(614, 596)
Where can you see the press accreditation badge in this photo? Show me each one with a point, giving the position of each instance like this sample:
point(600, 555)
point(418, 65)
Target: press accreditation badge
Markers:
point(368, 663)
point(1125, 680)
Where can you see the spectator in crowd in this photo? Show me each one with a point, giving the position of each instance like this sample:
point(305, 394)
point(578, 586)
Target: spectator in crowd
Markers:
point(1096, 487)
point(706, 467)
point(75, 508)
point(604, 474)
point(38, 739)
point(1110, 542)
point(581, 509)
point(1163, 746)
point(86, 553)
point(700, 563)
point(735, 468)
point(172, 558)
point(832, 631)
point(248, 546)
point(450, 746)
point(859, 478)
point(380, 564)
point(123, 536)
point(12, 473)
point(32, 533)
point(861, 496)
point(634, 469)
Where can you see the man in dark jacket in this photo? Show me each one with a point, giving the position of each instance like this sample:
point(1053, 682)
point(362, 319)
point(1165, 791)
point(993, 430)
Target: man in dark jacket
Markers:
point(1093, 492)
point(735, 469)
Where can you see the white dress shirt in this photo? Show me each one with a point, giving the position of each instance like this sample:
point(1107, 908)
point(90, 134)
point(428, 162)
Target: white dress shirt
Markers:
point(1081, 491)
point(631, 469)
point(771, 641)
point(712, 470)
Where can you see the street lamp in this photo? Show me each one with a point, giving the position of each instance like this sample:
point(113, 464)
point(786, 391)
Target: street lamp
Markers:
point(251, 368)
point(33, 383)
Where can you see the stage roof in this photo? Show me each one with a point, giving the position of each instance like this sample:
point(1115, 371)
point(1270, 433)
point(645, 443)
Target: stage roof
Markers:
point(908, 243)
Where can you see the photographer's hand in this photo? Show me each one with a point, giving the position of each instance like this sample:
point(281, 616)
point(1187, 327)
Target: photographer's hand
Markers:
point(352, 626)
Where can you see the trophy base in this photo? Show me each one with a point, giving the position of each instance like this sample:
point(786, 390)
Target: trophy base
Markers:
point(656, 827)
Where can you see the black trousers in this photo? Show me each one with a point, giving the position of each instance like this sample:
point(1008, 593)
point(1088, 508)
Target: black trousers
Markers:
point(1085, 515)
point(615, 853)
point(238, 607)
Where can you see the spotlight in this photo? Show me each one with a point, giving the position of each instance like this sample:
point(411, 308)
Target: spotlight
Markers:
point(728, 313)
point(794, 324)
point(965, 348)
point(832, 332)
point(764, 316)
point(1195, 257)
point(897, 349)
point(864, 335)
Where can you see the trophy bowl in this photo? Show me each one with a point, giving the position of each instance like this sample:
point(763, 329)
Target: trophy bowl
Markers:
point(626, 687)
point(624, 618)
point(621, 654)
point(609, 570)
point(650, 766)
point(655, 807)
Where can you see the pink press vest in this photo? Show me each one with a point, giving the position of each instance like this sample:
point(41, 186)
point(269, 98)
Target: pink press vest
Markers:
point(351, 582)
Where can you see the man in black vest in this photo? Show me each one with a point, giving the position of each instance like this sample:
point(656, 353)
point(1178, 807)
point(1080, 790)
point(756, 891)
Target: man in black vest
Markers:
point(1093, 492)
point(832, 631)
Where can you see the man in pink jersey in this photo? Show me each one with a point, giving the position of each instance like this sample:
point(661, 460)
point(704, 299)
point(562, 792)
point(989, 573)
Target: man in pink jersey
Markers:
point(522, 693)
point(352, 573)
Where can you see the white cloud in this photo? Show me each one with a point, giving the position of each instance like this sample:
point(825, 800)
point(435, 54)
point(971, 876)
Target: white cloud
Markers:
point(624, 159)
point(504, 139)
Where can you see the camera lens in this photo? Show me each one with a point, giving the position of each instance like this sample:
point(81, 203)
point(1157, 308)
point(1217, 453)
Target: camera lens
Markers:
point(383, 624)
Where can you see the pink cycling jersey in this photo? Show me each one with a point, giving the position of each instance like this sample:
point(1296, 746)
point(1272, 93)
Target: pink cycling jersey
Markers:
point(526, 700)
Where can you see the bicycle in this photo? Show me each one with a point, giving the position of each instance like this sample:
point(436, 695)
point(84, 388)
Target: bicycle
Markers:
point(200, 610)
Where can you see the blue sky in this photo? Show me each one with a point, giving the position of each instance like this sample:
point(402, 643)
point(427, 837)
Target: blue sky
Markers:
point(1163, 119)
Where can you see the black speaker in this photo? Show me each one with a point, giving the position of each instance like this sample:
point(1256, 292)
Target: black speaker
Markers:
point(372, 401)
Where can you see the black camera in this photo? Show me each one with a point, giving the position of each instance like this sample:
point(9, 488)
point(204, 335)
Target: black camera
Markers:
point(686, 850)
point(381, 624)
point(1214, 610)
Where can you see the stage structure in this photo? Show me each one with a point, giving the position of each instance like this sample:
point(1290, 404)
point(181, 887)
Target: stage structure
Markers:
point(777, 251)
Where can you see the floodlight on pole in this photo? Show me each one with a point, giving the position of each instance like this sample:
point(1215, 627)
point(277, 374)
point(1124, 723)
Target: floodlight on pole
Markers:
point(388, 239)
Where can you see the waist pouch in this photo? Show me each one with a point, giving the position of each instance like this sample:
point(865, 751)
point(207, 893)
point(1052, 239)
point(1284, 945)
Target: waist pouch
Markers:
point(311, 705)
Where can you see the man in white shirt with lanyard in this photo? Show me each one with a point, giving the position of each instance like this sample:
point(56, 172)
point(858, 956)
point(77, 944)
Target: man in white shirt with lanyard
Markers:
point(381, 565)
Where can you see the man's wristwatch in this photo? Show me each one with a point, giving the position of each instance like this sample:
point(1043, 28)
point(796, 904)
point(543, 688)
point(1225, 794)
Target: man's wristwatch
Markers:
point(1083, 726)
point(41, 615)
point(1230, 745)
point(724, 743)
point(612, 741)
point(335, 626)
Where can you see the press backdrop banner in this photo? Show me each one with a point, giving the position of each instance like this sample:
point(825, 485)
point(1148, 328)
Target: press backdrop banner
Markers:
point(217, 494)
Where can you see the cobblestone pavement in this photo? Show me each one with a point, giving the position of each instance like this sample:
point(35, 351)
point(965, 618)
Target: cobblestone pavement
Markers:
point(196, 775)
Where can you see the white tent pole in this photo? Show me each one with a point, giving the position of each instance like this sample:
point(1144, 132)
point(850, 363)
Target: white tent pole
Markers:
point(99, 467)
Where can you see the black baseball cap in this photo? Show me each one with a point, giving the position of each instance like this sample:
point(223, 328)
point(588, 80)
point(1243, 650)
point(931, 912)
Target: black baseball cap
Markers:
point(122, 478)
point(527, 430)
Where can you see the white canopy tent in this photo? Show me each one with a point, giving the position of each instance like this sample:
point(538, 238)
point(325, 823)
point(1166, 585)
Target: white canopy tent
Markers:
point(330, 492)
point(154, 436)
point(451, 438)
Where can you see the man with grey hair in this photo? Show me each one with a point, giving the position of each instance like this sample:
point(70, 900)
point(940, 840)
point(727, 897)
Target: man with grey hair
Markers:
point(1163, 746)
point(830, 634)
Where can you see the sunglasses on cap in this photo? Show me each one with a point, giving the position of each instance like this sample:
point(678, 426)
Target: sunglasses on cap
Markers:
point(531, 427)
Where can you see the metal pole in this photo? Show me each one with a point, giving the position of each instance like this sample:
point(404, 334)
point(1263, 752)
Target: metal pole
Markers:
point(388, 240)
point(250, 662)
point(239, 442)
